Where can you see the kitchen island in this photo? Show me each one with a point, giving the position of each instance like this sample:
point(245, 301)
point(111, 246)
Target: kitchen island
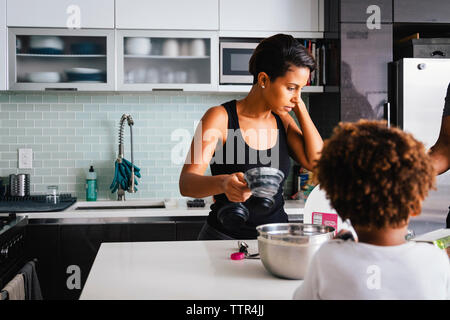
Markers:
point(184, 270)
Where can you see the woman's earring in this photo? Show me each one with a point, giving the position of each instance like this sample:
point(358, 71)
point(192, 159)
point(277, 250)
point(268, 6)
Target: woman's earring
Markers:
point(263, 87)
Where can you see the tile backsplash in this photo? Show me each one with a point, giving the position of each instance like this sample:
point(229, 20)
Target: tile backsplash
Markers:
point(68, 132)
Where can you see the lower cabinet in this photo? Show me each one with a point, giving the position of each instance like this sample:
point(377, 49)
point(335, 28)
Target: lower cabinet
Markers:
point(66, 252)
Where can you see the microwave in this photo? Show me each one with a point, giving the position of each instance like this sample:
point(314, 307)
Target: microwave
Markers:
point(234, 58)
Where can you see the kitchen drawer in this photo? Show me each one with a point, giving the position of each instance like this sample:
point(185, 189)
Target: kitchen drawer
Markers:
point(167, 14)
point(61, 13)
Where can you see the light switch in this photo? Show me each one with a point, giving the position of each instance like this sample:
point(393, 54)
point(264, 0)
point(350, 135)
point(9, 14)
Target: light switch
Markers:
point(25, 158)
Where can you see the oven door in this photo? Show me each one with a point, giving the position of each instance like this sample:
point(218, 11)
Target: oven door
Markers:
point(234, 58)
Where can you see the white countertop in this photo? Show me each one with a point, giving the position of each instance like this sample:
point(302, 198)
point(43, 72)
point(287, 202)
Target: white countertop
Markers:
point(292, 207)
point(182, 270)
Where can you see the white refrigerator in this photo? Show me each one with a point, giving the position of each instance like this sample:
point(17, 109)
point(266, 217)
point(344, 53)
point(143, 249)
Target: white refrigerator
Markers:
point(417, 91)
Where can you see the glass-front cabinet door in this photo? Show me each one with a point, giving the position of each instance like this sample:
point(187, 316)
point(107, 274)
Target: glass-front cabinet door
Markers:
point(61, 59)
point(167, 60)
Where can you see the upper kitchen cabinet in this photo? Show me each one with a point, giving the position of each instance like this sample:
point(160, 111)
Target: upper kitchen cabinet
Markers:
point(73, 14)
point(419, 11)
point(271, 15)
point(61, 59)
point(167, 60)
point(3, 46)
point(167, 14)
point(365, 55)
point(368, 11)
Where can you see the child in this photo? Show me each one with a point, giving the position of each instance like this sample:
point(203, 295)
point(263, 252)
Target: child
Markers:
point(377, 177)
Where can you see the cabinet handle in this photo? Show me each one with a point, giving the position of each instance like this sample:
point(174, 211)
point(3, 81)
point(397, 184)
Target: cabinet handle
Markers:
point(387, 113)
point(61, 89)
point(160, 89)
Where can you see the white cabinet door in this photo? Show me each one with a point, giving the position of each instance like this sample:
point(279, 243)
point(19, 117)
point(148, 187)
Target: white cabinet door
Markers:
point(3, 46)
point(167, 14)
point(61, 13)
point(270, 15)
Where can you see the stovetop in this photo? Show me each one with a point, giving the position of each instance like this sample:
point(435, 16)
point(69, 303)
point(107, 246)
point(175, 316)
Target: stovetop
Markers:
point(34, 203)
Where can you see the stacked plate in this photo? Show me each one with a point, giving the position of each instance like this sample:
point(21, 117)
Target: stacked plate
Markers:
point(43, 77)
point(85, 75)
point(46, 45)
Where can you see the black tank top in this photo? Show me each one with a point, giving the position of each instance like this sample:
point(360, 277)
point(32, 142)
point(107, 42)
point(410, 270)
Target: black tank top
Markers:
point(236, 156)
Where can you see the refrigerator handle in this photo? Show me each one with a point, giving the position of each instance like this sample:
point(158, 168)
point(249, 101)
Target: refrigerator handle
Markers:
point(387, 113)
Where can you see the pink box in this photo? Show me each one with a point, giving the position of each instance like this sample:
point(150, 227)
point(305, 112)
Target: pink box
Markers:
point(327, 219)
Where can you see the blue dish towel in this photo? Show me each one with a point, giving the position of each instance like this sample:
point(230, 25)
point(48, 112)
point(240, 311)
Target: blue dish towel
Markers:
point(122, 175)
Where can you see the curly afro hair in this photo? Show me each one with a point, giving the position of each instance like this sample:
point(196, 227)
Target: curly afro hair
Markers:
point(374, 175)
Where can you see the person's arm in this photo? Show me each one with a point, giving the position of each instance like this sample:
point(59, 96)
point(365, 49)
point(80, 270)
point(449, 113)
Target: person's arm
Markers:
point(193, 183)
point(306, 144)
point(440, 152)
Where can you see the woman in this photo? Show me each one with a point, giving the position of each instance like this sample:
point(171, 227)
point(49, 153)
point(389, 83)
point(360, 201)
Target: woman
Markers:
point(259, 124)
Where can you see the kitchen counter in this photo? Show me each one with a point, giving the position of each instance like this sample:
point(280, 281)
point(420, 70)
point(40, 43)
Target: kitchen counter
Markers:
point(183, 270)
point(293, 208)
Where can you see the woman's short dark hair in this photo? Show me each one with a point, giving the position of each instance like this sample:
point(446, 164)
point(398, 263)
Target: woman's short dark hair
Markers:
point(274, 56)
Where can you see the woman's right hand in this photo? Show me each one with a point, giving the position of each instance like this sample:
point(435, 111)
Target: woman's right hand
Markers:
point(236, 188)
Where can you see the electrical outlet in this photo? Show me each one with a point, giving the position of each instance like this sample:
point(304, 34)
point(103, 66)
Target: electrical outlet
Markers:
point(25, 158)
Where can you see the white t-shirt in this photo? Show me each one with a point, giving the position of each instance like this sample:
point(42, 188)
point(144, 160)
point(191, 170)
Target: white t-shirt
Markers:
point(359, 271)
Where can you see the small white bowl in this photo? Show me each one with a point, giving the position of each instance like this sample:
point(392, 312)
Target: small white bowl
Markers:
point(44, 77)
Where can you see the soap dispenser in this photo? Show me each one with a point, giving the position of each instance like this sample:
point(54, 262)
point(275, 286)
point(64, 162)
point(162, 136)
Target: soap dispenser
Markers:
point(91, 185)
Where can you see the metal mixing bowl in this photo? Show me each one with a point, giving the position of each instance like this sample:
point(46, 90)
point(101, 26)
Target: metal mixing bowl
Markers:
point(286, 249)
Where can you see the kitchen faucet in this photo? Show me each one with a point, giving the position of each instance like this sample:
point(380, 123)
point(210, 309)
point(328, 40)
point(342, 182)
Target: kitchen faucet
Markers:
point(120, 159)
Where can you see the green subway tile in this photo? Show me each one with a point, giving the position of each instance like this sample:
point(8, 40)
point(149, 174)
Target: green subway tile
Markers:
point(42, 123)
point(49, 131)
point(67, 147)
point(8, 123)
point(76, 123)
point(91, 108)
point(34, 132)
point(91, 139)
point(42, 107)
point(75, 107)
point(42, 156)
point(4, 115)
point(99, 116)
point(9, 107)
point(58, 139)
point(4, 147)
point(34, 98)
point(147, 99)
point(4, 165)
point(83, 116)
point(59, 155)
point(66, 115)
point(18, 98)
point(58, 107)
point(24, 139)
point(114, 99)
point(49, 180)
point(66, 99)
point(25, 123)
point(50, 115)
point(162, 99)
point(59, 171)
point(179, 99)
point(48, 98)
point(8, 156)
point(67, 164)
point(74, 139)
point(83, 99)
point(107, 108)
point(25, 107)
point(194, 99)
point(83, 148)
point(42, 139)
point(50, 147)
point(131, 99)
point(34, 115)
point(99, 99)
point(17, 115)
point(4, 97)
